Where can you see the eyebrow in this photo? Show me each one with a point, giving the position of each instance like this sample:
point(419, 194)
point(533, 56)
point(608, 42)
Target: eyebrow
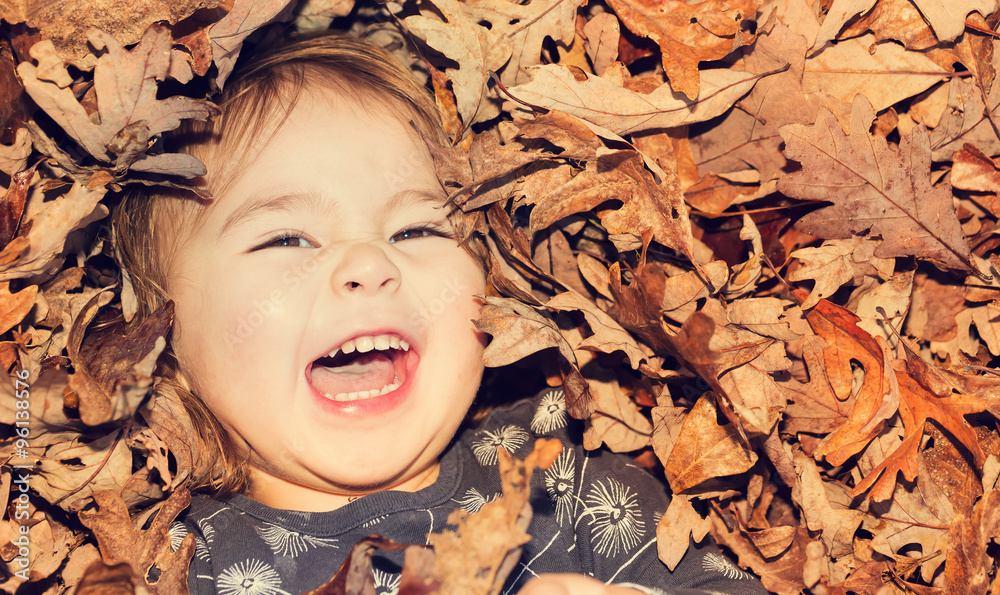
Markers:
point(310, 200)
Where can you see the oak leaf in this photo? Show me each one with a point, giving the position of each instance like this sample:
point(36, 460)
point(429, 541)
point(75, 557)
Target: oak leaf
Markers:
point(878, 397)
point(519, 331)
point(66, 23)
point(476, 49)
point(148, 551)
point(705, 450)
point(527, 26)
point(917, 405)
point(850, 68)
point(621, 176)
point(613, 107)
point(874, 189)
point(917, 515)
point(130, 114)
point(948, 18)
point(689, 33)
point(601, 35)
point(749, 136)
point(835, 263)
point(897, 20)
point(43, 234)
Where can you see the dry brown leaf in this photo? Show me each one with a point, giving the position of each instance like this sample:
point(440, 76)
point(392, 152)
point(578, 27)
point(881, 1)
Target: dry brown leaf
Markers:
point(895, 20)
point(826, 507)
point(874, 189)
point(518, 331)
point(782, 575)
point(476, 49)
point(36, 251)
point(689, 33)
point(878, 397)
point(963, 121)
point(148, 551)
point(611, 106)
point(849, 68)
point(15, 306)
point(704, 450)
point(607, 335)
point(476, 558)
point(616, 421)
point(527, 26)
point(621, 176)
point(967, 567)
point(974, 170)
point(839, 13)
point(125, 82)
point(14, 156)
point(749, 136)
point(113, 371)
point(948, 18)
point(916, 406)
point(677, 526)
point(226, 36)
point(602, 34)
point(835, 263)
point(67, 23)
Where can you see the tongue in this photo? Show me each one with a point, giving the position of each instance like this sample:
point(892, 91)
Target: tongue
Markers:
point(370, 371)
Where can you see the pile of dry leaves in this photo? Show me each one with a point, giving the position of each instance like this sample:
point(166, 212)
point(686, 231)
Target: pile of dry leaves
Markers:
point(756, 240)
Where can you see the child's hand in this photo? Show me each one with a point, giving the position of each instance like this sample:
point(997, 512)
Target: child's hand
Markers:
point(571, 584)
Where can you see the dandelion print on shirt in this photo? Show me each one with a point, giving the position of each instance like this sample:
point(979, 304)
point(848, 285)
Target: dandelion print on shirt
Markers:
point(510, 438)
point(284, 542)
point(251, 577)
point(551, 413)
point(559, 481)
point(386, 583)
point(178, 531)
point(615, 519)
point(474, 500)
point(713, 562)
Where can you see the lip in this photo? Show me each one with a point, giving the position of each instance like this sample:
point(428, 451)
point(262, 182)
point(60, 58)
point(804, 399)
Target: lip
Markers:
point(372, 406)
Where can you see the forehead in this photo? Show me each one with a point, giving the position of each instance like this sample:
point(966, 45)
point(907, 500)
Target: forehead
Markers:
point(322, 127)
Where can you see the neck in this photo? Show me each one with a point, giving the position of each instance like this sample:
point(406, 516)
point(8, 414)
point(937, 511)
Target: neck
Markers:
point(281, 493)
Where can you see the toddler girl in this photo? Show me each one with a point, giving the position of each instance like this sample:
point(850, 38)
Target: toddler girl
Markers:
point(323, 336)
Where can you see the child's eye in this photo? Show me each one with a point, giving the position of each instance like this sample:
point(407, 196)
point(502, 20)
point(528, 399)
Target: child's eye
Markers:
point(420, 231)
point(286, 240)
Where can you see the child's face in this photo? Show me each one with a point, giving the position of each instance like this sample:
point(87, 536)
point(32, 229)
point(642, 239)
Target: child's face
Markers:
point(255, 313)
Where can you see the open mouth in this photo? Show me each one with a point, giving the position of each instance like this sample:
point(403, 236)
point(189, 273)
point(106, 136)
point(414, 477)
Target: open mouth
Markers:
point(361, 368)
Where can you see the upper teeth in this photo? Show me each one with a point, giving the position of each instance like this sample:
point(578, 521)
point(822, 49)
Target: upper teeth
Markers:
point(369, 342)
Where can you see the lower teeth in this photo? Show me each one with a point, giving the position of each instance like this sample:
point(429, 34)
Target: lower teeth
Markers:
point(365, 394)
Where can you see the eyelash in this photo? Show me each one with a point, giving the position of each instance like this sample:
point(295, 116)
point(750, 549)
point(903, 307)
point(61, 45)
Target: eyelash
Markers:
point(426, 230)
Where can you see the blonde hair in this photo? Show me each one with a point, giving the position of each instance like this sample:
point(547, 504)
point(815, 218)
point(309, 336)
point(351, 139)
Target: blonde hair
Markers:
point(144, 221)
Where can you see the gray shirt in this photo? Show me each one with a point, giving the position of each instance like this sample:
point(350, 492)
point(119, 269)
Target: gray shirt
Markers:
point(595, 513)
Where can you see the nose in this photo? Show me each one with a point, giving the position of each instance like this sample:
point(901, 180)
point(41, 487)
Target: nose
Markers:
point(365, 268)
